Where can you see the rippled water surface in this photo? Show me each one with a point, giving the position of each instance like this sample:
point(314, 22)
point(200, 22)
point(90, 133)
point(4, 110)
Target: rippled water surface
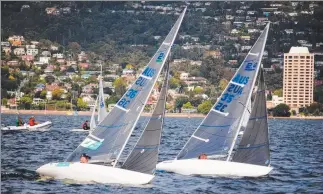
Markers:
point(296, 153)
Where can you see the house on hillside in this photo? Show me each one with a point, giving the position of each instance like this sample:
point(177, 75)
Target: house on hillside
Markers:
point(27, 57)
point(32, 51)
point(19, 51)
point(213, 53)
point(6, 50)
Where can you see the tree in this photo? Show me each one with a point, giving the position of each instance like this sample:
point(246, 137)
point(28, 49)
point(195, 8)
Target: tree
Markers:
point(198, 90)
point(315, 108)
point(223, 84)
point(43, 94)
point(188, 105)
point(26, 102)
point(74, 47)
point(81, 104)
point(180, 101)
point(279, 92)
point(120, 86)
point(57, 93)
point(174, 83)
point(205, 107)
point(111, 100)
point(195, 101)
point(4, 101)
point(281, 110)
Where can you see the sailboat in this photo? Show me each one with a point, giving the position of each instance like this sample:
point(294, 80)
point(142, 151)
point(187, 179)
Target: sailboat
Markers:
point(217, 134)
point(107, 142)
point(102, 111)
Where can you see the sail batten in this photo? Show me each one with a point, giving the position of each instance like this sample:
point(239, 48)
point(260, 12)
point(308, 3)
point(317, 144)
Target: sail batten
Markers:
point(116, 128)
point(225, 115)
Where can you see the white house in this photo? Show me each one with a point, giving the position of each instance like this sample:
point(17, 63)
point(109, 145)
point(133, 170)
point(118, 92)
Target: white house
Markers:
point(32, 51)
point(30, 46)
point(183, 76)
point(54, 48)
point(44, 60)
point(59, 56)
point(277, 100)
point(19, 51)
point(46, 53)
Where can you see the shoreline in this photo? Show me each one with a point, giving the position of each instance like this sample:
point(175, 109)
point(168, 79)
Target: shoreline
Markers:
point(174, 115)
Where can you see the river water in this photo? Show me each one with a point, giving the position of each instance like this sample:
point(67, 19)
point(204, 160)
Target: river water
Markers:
point(296, 155)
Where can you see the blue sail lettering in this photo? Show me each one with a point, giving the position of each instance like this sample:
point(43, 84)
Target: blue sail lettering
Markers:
point(149, 72)
point(141, 81)
point(250, 66)
point(241, 79)
point(220, 107)
point(132, 93)
point(160, 57)
point(123, 102)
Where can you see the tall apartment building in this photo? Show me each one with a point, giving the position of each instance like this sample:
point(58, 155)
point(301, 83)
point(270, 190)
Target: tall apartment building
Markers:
point(298, 78)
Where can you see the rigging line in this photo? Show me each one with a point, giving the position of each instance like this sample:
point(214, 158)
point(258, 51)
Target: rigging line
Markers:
point(245, 107)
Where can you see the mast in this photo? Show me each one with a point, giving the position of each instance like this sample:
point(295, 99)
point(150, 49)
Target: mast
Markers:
point(250, 92)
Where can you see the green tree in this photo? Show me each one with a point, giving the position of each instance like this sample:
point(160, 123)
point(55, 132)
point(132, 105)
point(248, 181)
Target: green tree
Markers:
point(195, 101)
point(4, 101)
point(81, 104)
point(57, 93)
point(269, 97)
point(180, 101)
point(43, 94)
point(112, 100)
point(223, 84)
point(26, 102)
point(188, 105)
point(198, 90)
point(278, 92)
point(205, 107)
point(120, 86)
point(281, 110)
point(174, 83)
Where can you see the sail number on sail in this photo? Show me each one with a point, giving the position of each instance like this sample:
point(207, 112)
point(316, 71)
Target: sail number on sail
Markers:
point(141, 81)
point(235, 88)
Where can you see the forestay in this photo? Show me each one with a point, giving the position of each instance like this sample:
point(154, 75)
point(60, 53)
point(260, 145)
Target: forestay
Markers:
point(218, 131)
point(109, 138)
point(254, 145)
point(144, 155)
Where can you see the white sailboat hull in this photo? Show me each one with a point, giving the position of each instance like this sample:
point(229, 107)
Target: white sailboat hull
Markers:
point(87, 173)
point(213, 168)
point(40, 126)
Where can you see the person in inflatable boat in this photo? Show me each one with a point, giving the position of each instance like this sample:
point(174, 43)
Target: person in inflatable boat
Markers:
point(32, 121)
point(20, 122)
point(84, 158)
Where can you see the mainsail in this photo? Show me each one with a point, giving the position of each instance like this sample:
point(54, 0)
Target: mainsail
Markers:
point(254, 145)
point(218, 131)
point(144, 155)
point(109, 138)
